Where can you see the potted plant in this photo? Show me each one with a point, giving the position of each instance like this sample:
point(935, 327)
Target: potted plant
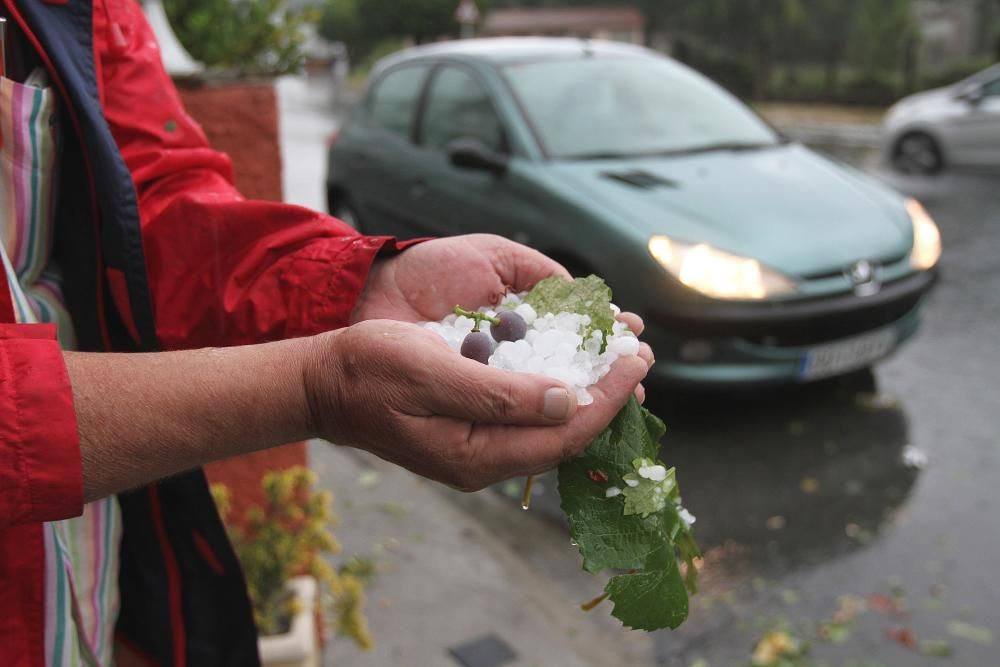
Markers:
point(283, 545)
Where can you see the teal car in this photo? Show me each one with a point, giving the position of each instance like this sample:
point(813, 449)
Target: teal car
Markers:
point(751, 258)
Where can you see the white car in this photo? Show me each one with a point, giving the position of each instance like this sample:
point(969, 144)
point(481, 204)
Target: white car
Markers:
point(958, 125)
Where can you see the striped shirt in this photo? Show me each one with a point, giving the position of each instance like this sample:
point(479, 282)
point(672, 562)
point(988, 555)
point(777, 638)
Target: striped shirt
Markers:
point(81, 554)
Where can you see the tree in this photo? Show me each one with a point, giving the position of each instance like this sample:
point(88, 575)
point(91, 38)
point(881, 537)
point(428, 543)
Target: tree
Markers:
point(364, 24)
point(249, 36)
point(884, 37)
point(751, 27)
point(830, 23)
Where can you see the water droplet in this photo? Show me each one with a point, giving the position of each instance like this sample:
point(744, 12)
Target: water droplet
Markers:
point(525, 506)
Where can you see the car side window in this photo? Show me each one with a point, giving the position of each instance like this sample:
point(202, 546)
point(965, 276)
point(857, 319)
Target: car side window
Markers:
point(394, 99)
point(992, 89)
point(459, 107)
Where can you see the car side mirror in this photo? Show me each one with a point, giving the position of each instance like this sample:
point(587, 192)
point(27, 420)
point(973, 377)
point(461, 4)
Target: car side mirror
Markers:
point(972, 95)
point(474, 154)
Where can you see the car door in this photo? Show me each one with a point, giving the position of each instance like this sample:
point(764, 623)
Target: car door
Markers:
point(977, 129)
point(449, 199)
point(382, 158)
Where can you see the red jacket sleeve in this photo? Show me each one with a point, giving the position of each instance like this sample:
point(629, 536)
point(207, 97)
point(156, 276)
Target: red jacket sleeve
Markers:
point(222, 269)
point(40, 472)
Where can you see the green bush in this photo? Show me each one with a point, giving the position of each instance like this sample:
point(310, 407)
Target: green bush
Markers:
point(730, 72)
point(868, 90)
point(246, 37)
point(289, 536)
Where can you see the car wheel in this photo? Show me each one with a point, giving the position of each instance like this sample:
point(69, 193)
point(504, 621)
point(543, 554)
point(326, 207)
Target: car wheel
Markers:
point(346, 213)
point(917, 153)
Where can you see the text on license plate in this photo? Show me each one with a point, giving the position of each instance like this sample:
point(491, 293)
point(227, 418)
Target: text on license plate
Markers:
point(849, 355)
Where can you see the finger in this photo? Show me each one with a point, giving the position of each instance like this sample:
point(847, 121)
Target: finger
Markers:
point(468, 390)
point(640, 394)
point(519, 266)
point(634, 322)
point(514, 451)
point(646, 354)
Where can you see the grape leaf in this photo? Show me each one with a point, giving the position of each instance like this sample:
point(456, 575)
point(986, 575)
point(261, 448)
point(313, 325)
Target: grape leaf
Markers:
point(614, 531)
point(585, 296)
point(652, 599)
point(644, 495)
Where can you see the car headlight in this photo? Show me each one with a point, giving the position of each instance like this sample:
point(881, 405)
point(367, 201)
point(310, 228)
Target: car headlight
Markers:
point(926, 237)
point(716, 273)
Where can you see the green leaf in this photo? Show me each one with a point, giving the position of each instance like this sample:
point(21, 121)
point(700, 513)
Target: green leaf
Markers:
point(645, 495)
point(585, 296)
point(607, 538)
point(631, 530)
point(652, 599)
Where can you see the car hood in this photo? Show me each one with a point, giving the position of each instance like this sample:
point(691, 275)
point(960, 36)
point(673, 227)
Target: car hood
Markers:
point(919, 104)
point(786, 206)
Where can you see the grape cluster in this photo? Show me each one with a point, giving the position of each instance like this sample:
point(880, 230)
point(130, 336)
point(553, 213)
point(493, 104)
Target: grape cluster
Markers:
point(506, 326)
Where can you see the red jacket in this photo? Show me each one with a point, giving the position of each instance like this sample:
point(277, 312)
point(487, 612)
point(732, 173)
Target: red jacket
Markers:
point(212, 268)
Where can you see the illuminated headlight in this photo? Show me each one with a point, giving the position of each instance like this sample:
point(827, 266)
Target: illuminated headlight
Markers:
point(716, 273)
point(926, 237)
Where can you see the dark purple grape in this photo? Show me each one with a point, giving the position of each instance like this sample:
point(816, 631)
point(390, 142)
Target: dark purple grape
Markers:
point(512, 327)
point(477, 346)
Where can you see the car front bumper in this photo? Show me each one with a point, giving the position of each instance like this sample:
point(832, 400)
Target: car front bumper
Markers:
point(744, 343)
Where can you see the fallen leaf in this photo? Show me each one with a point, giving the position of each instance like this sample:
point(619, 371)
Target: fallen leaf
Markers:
point(774, 647)
point(973, 633)
point(883, 604)
point(369, 478)
point(902, 636)
point(939, 648)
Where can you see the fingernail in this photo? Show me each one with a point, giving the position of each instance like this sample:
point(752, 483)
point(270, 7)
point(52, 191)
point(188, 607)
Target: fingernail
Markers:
point(557, 404)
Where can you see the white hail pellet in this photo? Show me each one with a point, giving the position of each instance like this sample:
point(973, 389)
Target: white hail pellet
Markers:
point(656, 473)
point(557, 345)
point(612, 491)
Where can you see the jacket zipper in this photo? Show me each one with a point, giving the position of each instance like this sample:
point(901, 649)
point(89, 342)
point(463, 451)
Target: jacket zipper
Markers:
point(92, 187)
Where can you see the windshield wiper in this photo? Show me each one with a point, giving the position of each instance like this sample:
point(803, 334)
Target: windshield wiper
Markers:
point(732, 146)
point(729, 146)
point(602, 155)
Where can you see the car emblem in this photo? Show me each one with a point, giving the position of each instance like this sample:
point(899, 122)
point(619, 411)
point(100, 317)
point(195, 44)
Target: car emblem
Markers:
point(864, 276)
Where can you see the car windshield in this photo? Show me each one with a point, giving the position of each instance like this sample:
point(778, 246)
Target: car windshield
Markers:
point(608, 107)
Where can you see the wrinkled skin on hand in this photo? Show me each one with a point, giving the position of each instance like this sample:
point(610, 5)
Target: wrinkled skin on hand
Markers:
point(398, 391)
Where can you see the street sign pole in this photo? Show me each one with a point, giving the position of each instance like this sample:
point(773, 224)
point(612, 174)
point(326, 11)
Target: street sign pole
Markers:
point(467, 16)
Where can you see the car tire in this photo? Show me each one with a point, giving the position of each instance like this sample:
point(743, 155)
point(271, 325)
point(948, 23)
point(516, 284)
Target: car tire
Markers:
point(917, 153)
point(343, 210)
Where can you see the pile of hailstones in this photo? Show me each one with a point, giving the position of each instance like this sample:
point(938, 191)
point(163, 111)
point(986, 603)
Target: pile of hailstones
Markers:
point(516, 338)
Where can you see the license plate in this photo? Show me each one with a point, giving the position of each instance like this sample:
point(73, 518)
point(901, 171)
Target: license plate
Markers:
point(849, 355)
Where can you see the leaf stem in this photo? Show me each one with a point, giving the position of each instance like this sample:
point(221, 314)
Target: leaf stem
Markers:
point(526, 496)
point(588, 606)
point(478, 317)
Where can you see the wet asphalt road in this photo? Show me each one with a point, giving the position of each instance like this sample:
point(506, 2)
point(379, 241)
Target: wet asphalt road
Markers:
point(803, 494)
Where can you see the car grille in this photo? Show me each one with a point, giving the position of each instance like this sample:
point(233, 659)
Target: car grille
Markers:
point(825, 328)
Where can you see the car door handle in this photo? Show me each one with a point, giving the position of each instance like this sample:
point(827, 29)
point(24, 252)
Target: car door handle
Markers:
point(418, 188)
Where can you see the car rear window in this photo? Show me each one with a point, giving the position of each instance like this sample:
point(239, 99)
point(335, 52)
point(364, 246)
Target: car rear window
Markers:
point(393, 101)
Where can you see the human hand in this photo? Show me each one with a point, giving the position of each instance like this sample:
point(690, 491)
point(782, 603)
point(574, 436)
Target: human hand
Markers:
point(398, 391)
point(425, 282)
